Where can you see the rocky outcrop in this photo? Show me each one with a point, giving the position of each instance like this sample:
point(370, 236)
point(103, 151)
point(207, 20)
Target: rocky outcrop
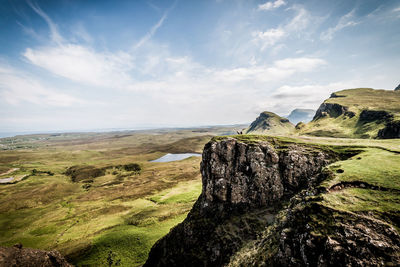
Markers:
point(235, 173)
point(28, 257)
point(397, 88)
point(332, 110)
point(270, 123)
point(314, 235)
point(391, 130)
point(375, 115)
point(244, 186)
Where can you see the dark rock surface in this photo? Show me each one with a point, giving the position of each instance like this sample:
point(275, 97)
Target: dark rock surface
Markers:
point(375, 115)
point(346, 239)
point(243, 188)
point(397, 88)
point(28, 257)
point(332, 110)
point(391, 130)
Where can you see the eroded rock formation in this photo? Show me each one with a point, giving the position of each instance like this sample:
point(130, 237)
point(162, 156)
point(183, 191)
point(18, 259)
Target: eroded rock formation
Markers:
point(244, 186)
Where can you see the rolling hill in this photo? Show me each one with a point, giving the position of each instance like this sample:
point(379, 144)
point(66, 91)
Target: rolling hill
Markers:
point(357, 113)
point(271, 124)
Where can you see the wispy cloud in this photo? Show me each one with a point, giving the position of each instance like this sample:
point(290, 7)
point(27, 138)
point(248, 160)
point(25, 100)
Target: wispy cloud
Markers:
point(271, 5)
point(269, 37)
point(82, 64)
point(154, 29)
point(55, 35)
point(19, 87)
point(344, 22)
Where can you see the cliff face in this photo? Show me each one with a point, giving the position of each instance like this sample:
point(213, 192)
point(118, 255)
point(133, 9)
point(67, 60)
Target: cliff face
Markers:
point(332, 110)
point(263, 203)
point(244, 186)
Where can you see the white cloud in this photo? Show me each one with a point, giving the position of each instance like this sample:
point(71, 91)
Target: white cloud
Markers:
point(302, 64)
point(344, 22)
point(82, 64)
point(17, 87)
point(288, 97)
point(271, 5)
point(300, 22)
point(268, 38)
point(281, 69)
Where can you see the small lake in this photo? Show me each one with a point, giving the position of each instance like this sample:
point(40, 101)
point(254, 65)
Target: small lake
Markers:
point(174, 157)
point(6, 180)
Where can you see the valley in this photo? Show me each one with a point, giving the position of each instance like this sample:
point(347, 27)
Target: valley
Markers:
point(97, 197)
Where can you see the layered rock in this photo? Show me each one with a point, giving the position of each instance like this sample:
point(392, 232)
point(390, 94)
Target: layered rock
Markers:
point(244, 186)
point(28, 257)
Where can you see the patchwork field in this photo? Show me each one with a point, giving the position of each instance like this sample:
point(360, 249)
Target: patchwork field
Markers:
point(95, 197)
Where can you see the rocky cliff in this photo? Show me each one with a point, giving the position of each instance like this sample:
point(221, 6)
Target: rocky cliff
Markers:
point(244, 187)
point(262, 204)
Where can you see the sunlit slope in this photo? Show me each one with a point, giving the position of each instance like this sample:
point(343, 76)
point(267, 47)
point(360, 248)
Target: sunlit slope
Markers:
point(271, 124)
point(357, 113)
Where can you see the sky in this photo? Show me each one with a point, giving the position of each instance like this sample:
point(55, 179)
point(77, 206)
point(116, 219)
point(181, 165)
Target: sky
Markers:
point(82, 65)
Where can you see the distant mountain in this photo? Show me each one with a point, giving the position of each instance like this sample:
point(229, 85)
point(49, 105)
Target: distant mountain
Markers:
point(357, 113)
point(397, 88)
point(301, 115)
point(271, 124)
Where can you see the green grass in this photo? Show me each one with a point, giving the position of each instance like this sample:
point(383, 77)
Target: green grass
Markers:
point(127, 244)
point(355, 100)
point(375, 166)
point(116, 212)
point(271, 124)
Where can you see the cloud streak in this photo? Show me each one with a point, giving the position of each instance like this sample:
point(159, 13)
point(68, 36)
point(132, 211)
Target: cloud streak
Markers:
point(55, 35)
point(154, 29)
point(272, 5)
point(18, 87)
point(344, 22)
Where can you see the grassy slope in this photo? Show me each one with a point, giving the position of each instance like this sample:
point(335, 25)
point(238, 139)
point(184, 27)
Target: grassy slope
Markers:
point(275, 125)
point(116, 219)
point(356, 100)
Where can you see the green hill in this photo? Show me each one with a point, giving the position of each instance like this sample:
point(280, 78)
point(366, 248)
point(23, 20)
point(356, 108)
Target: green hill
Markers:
point(271, 124)
point(357, 113)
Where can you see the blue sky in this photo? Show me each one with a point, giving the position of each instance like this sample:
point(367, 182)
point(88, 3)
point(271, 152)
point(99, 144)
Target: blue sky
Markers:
point(81, 65)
